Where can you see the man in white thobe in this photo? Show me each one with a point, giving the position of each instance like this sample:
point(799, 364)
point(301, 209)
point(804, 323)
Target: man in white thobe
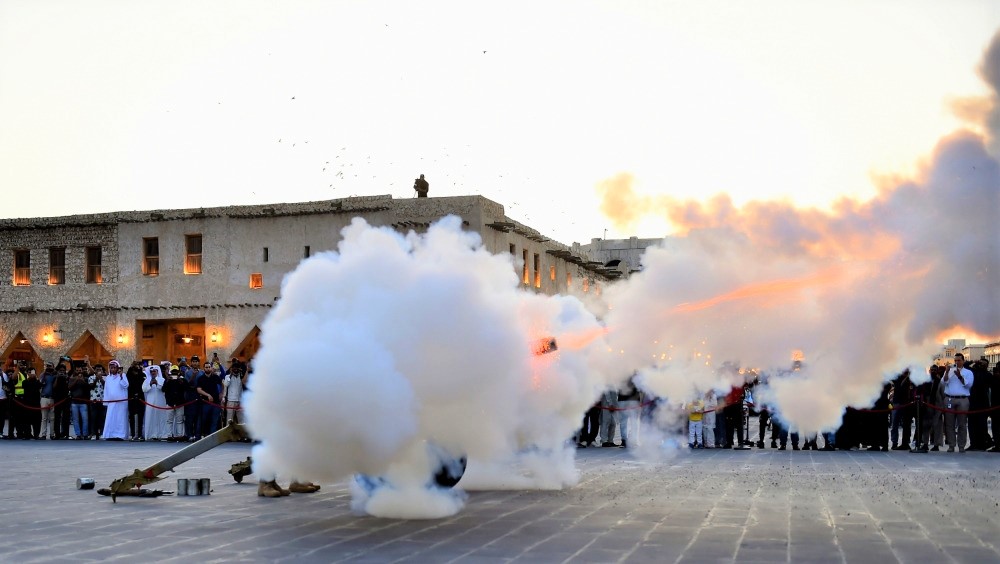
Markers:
point(115, 391)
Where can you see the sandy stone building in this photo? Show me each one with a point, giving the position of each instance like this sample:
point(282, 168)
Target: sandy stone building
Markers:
point(163, 284)
point(623, 255)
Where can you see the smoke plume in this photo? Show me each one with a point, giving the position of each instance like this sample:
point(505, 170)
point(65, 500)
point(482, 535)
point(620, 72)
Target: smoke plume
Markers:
point(397, 352)
point(861, 290)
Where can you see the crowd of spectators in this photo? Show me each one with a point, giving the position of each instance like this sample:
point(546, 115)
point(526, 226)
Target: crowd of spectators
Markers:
point(70, 400)
point(957, 410)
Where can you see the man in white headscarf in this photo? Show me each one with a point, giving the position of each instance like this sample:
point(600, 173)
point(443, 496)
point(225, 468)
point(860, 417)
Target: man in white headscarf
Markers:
point(116, 400)
point(155, 422)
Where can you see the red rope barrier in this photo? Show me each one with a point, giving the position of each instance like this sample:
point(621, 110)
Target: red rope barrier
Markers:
point(890, 410)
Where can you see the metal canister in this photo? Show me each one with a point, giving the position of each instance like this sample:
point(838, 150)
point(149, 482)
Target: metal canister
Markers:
point(84, 483)
point(205, 485)
point(193, 488)
point(182, 486)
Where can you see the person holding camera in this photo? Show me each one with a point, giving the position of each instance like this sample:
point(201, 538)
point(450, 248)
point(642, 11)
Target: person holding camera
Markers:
point(232, 393)
point(116, 402)
point(957, 384)
point(79, 393)
point(155, 426)
point(95, 412)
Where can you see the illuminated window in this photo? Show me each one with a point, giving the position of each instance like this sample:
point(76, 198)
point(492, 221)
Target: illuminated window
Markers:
point(552, 273)
point(150, 256)
point(192, 254)
point(93, 274)
point(57, 265)
point(586, 285)
point(256, 281)
point(538, 271)
point(569, 281)
point(524, 270)
point(22, 268)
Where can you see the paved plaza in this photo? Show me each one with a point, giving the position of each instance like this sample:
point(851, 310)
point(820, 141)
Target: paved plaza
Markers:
point(702, 506)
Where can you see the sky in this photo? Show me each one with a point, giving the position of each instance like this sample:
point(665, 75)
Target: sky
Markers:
point(110, 105)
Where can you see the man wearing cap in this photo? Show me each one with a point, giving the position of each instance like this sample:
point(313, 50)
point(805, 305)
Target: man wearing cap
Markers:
point(116, 401)
point(173, 391)
point(192, 411)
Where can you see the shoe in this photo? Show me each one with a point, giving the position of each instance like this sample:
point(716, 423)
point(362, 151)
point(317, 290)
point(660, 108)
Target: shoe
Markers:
point(701, 446)
point(268, 489)
point(951, 449)
point(691, 445)
point(828, 448)
point(994, 449)
point(935, 449)
point(607, 444)
point(795, 447)
point(581, 445)
point(303, 487)
point(624, 444)
point(760, 444)
point(961, 449)
point(782, 447)
point(774, 444)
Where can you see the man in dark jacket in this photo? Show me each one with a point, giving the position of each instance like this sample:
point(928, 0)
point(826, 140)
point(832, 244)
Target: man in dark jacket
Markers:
point(79, 394)
point(32, 400)
point(60, 399)
point(979, 398)
point(174, 390)
point(902, 417)
point(136, 400)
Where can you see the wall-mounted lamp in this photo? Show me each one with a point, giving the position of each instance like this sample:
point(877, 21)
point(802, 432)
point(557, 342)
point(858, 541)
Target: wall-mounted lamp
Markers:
point(47, 338)
point(121, 338)
point(22, 341)
point(215, 337)
point(187, 339)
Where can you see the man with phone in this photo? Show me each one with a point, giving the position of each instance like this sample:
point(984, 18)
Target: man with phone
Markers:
point(957, 384)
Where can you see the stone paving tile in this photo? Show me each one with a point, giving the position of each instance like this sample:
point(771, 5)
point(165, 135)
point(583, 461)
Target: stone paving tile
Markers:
point(704, 506)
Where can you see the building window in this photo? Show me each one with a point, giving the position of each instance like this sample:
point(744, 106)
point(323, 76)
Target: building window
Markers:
point(57, 265)
point(513, 249)
point(306, 252)
point(151, 256)
point(22, 268)
point(586, 285)
point(93, 275)
point(256, 281)
point(192, 254)
point(524, 270)
point(265, 254)
point(552, 273)
point(538, 271)
point(569, 281)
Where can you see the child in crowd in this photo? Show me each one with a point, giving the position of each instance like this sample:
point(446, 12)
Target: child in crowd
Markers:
point(695, 411)
point(708, 420)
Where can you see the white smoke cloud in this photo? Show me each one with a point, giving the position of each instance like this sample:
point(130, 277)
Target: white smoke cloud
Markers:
point(394, 343)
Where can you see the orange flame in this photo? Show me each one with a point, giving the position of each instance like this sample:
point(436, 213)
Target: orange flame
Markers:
point(763, 289)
